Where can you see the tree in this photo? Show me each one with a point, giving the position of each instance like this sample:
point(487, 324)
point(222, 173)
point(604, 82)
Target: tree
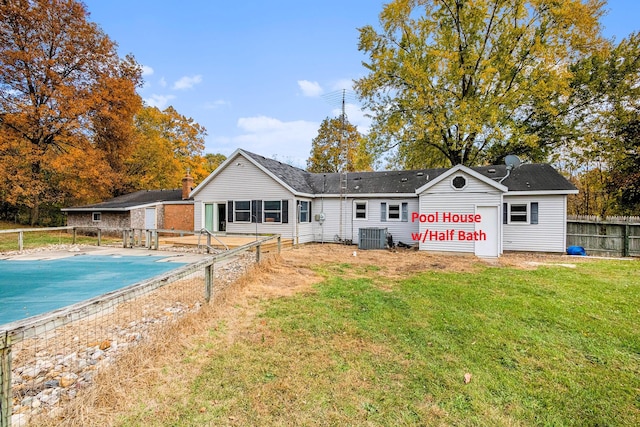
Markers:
point(167, 144)
point(338, 147)
point(455, 81)
point(605, 140)
point(59, 75)
point(212, 161)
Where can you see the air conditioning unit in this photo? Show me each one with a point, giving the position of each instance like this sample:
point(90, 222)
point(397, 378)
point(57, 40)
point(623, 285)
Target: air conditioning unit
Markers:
point(372, 238)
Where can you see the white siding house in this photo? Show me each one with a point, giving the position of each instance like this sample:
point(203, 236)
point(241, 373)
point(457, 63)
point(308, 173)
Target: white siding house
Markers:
point(483, 210)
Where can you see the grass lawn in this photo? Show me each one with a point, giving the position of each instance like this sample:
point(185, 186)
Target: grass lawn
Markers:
point(553, 346)
point(36, 239)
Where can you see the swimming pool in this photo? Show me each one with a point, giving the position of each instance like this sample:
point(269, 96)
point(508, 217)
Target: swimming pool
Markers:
point(29, 288)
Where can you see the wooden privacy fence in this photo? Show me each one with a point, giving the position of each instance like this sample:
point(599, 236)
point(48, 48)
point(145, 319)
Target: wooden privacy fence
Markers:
point(46, 359)
point(613, 236)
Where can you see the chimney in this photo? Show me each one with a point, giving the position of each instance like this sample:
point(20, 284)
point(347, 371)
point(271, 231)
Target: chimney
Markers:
point(187, 186)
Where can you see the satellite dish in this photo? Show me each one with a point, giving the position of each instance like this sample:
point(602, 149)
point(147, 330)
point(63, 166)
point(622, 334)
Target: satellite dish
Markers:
point(512, 161)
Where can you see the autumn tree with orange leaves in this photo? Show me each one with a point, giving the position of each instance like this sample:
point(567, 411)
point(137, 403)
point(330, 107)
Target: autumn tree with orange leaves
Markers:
point(66, 105)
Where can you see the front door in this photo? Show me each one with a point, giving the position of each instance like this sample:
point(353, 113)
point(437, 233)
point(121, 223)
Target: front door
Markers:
point(488, 228)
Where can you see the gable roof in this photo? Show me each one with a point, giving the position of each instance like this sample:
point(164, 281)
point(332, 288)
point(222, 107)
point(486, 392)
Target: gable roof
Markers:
point(477, 175)
point(130, 201)
point(525, 178)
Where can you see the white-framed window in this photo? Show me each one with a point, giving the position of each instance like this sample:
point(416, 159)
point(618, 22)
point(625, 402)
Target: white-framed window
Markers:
point(520, 213)
point(272, 211)
point(393, 212)
point(303, 211)
point(360, 210)
point(96, 216)
point(242, 210)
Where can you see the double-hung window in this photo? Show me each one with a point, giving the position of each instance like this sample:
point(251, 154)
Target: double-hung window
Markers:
point(360, 210)
point(520, 213)
point(303, 211)
point(272, 210)
point(242, 210)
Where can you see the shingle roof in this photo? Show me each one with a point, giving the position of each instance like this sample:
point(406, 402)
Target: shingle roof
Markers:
point(128, 201)
point(294, 177)
point(526, 177)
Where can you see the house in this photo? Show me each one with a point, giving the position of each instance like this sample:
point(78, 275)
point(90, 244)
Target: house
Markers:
point(481, 210)
point(144, 209)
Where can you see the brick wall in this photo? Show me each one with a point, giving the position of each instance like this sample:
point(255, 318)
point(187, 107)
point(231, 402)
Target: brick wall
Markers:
point(178, 217)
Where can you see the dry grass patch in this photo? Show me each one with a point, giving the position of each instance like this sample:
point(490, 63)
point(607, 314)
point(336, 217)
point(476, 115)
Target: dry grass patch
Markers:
point(372, 347)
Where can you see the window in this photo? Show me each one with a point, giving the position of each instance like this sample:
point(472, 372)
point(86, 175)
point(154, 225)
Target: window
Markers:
point(242, 211)
point(459, 182)
point(97, 216)
point(303, 212)
point(272, 211)
point(520, 213)
point(394, 212)
point(360, 210)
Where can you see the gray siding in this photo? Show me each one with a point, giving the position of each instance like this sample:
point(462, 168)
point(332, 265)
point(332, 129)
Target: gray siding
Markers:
point(442, 198)
point(549, 235)
point(241, 180)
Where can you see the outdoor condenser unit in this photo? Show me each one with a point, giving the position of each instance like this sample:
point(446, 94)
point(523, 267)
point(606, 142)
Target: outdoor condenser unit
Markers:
point(372, 238)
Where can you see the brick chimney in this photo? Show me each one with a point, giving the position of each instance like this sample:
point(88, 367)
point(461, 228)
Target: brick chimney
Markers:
point(187, 186)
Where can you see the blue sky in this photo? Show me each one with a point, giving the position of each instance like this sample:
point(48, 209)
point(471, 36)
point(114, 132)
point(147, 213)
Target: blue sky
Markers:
point(259, 75)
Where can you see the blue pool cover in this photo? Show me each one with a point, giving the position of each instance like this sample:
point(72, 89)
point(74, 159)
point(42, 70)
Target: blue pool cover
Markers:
point(28, 288)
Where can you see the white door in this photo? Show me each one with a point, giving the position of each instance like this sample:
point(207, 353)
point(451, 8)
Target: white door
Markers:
point(150, 218)
point(488, 232)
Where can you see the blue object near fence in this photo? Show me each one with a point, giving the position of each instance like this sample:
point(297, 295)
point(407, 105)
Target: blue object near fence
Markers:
point(576, 250)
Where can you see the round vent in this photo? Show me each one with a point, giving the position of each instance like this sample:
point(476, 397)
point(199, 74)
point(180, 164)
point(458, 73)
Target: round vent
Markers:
point(459, 182)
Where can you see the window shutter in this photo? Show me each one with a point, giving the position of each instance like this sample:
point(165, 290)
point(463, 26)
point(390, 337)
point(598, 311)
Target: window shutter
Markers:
point(230, 211)
point(505, 213)
point(285, 211)
point(256, 211)
point(383, 212)
point(534, 213)
point(309, 218)
point(405, 212)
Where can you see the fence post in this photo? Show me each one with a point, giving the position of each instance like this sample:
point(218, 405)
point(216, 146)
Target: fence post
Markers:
point(156, 244)
point(73, 241)
point(99, 237)
point(627, 230)
point(208, 282)
point(6, 399)
point(279, 244)
point(20, 240)
point(258, 253)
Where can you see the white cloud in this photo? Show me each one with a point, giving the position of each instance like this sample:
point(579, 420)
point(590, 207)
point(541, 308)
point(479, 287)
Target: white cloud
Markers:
point(187, 82)
point(311, 89)
point(216, 104)
point(289, 142)
point(163, 82)
point(343, 84)
point(159, 101)
point(146, 70)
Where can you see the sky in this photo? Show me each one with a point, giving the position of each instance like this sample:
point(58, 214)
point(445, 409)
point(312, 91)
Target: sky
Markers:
point(260, 75)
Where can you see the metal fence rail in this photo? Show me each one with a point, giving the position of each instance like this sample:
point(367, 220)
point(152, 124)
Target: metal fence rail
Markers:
point(46, 359)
